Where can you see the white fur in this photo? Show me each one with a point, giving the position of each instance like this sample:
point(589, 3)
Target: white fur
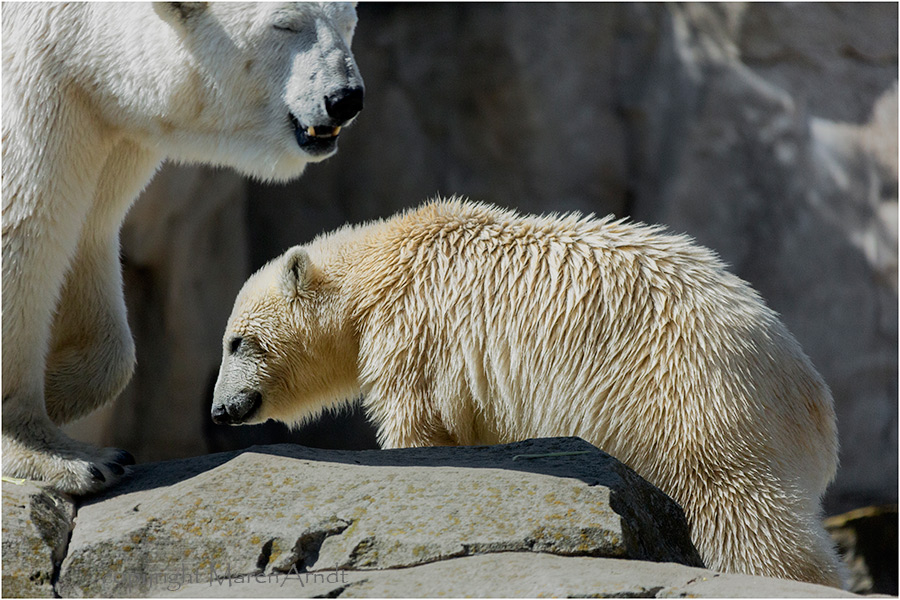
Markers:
point(465, 324)
point(95, 97)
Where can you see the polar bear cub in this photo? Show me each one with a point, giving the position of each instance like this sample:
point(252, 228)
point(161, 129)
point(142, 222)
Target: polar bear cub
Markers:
point(95, 97)
point(461, 323)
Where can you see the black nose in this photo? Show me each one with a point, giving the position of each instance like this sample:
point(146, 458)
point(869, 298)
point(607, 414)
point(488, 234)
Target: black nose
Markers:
point(345, 104)
point(220, 415)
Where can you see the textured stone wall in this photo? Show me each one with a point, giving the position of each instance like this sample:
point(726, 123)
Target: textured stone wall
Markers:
point(766, 131)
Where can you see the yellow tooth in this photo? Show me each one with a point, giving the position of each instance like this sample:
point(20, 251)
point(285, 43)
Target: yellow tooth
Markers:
point(311, 131)
point(336, 131)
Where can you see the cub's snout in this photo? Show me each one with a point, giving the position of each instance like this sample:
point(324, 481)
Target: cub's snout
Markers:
point(238, 408)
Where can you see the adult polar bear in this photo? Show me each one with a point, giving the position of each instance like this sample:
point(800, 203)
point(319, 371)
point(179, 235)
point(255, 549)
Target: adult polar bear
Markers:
point(95, 97)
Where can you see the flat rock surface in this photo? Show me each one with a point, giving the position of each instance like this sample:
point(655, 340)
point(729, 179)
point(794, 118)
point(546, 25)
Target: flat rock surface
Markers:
point(509, 575)
point(283, 509)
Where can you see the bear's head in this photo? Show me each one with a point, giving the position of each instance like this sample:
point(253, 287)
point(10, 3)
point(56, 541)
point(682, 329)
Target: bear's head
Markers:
point(289, 349)
point(264, 87)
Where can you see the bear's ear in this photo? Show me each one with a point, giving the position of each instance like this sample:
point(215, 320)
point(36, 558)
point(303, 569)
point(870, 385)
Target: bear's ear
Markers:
point(297, 272)
point(178, 13)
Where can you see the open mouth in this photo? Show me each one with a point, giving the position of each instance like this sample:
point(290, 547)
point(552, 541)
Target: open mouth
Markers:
point(315, 139)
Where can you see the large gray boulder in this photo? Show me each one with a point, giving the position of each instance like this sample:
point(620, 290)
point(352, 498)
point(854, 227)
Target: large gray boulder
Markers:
point(282, 509)
point(550, 517)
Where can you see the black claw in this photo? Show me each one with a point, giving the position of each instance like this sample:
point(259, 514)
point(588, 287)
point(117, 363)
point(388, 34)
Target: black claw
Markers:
point(97, 474)
point(116, 468)
point(124, 458)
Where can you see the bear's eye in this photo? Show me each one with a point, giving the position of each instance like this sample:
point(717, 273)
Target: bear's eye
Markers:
point(286, 25)
point(235, 344)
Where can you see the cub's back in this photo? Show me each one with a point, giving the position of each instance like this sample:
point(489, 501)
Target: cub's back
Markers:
point(571, 325)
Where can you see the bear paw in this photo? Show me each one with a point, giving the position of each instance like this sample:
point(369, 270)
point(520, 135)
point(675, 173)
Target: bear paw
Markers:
point(66, 465)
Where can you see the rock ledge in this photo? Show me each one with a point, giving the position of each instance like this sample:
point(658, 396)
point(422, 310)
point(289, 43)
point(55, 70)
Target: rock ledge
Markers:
point(539, 517)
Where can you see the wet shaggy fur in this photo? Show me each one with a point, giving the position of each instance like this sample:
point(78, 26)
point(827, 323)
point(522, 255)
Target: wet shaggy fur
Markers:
point(461, 323)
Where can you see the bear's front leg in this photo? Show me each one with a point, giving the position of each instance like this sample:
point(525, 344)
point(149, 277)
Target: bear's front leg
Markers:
point(92, 355)
point(64, 326)
point(406, 419)
point(33, 446)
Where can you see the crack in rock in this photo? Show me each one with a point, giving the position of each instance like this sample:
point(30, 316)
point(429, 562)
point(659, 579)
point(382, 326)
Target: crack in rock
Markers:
point(371, 551)
point(638, 593)
point(265, 555)
point(306, 549)
point(55, 525)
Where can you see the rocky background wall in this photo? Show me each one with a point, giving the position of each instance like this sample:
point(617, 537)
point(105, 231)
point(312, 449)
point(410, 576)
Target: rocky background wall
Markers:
point(766, 131)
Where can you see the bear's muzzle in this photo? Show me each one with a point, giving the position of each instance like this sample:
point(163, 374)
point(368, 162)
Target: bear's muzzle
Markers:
point(238, 409)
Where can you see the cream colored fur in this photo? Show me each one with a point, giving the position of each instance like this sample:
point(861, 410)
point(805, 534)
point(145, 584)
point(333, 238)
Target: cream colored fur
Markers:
point(465, 324)
point(95, 97)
